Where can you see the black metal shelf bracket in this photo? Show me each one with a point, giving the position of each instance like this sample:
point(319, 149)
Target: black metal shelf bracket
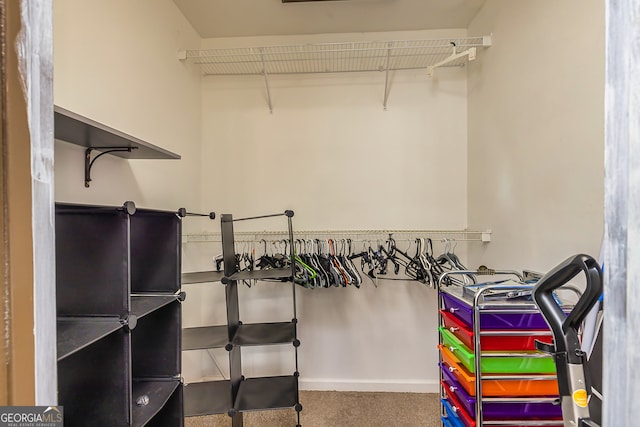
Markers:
point(88, 162)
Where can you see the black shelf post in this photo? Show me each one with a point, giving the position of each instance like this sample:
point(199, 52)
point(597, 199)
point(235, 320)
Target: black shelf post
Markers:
point(233, 312)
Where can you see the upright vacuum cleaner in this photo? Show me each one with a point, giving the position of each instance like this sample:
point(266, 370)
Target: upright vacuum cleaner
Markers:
point(575, 376)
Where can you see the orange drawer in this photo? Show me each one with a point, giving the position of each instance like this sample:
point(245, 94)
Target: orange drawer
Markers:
point(495, 388)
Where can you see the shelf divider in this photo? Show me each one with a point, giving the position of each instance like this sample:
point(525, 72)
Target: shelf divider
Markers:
point(202, 277)
point(158, 393)
point(74, 334)
point(207, 398)
point(141, 305)
point(256, 394)
point(204, 337)
point(265, 334)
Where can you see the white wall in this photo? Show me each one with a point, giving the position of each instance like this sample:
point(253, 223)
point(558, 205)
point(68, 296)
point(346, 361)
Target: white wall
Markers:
point(116, 62)
point(536, 132)
point(531, 112)
point(332, 154)
point(329, 150)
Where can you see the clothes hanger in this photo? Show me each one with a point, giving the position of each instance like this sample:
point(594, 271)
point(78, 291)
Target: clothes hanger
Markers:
point(357, 278)
point(344, 280)
point(323, 277)
point(366, 261)
point(435, 268)
point(424, 261)
point(380, 258)
point(266, 261)
point(327, 265)
point(386, 255)
point(350, 269)
point(301, 252)
point(304, 273)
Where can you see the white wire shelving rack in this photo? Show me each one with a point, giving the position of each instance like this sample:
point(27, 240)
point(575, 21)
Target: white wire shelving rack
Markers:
point(381, 56)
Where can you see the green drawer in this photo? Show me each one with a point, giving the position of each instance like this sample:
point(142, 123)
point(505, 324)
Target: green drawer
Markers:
point(518, 364)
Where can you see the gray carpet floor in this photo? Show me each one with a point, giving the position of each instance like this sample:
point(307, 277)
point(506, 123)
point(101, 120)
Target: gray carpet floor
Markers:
point(348, 409)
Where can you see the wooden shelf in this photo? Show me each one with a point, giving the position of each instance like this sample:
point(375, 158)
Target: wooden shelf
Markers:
point(76, 129)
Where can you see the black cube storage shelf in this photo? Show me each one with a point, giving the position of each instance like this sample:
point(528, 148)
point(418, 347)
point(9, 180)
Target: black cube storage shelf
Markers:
point(207, 397)
point(74, 334)
point(240, 394)
point(155, 344)
point(93, 383)
point(119, 316)
point(156, 242)
point(158, 393)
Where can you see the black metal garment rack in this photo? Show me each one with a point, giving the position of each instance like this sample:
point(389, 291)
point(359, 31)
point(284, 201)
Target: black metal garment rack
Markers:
point(252, 394)
point(240, 394)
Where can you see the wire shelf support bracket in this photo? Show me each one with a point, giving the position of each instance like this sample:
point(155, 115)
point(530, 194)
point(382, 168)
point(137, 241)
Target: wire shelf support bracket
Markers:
point(380, 56)
point(470, 53)
point(266, 82)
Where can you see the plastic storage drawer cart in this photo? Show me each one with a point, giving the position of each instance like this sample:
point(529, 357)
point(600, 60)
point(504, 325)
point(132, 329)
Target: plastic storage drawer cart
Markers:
point(491, 373)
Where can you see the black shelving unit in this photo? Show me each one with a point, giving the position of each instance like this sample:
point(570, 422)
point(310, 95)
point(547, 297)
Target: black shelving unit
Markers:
point(239, 394)
point(119, 316)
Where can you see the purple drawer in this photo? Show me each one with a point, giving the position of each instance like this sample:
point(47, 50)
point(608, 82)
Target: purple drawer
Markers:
point(506, 320)
point(468, 402)
point(501, 410)
point(522, 411)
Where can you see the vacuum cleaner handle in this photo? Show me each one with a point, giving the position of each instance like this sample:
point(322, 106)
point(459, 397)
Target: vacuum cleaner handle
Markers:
point(562, 325)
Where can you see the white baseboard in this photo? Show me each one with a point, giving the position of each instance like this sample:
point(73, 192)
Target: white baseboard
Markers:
point(398, 386)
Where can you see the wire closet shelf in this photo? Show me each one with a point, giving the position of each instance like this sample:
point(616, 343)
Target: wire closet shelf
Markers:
point(337, 57)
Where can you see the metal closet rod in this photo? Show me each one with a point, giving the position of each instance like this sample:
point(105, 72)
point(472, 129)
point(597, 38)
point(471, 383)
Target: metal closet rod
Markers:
point(354, 235)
